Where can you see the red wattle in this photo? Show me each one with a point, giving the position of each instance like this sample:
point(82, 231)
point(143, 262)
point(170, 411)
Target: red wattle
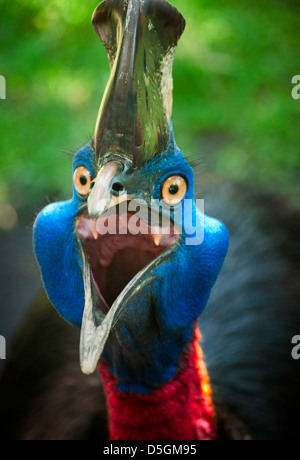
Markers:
point(180, 410)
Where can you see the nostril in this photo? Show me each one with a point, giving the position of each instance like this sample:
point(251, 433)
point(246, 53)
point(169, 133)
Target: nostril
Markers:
point(117, 187)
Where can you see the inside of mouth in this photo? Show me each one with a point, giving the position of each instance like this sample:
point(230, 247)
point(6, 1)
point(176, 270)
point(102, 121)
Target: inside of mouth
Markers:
point(125, 256)
point(115, 259)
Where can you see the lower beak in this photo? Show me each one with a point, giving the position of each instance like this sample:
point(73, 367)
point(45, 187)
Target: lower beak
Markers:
point(93, 337)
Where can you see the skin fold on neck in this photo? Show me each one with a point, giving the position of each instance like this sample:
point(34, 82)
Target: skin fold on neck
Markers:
point(181, 409)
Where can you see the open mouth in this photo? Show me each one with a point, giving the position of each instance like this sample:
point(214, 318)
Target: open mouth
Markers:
point(119, 252)
point(115, 258)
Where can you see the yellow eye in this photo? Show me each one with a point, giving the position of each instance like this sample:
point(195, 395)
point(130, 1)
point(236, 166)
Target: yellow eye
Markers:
point(174, 190)
point(82, 180)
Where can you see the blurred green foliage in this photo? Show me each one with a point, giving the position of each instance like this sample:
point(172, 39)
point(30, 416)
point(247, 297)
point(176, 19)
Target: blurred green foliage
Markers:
point(232, 100)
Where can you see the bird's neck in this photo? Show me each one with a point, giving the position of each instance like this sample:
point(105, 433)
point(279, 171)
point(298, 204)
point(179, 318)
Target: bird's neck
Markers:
point(180, 410)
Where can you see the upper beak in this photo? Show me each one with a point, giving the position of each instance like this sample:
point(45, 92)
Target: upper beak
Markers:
point(101, 198)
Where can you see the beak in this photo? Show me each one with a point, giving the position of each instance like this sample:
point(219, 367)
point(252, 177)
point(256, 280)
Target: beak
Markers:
point(98, 317)
point(93, 336)
point(101, 198)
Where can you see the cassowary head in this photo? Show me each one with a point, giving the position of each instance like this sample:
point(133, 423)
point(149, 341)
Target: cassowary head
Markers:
point(130, 258)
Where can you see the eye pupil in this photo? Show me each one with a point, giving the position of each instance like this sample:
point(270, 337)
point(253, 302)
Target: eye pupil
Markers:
point(83, 180)
point(173, 190)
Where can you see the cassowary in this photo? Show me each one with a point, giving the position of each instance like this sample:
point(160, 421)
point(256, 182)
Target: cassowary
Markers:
point(131, 261)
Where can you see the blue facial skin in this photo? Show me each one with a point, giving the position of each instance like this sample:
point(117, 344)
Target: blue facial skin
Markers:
point(144, 347)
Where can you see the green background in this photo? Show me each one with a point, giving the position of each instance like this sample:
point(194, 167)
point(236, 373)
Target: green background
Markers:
point(233, 110)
